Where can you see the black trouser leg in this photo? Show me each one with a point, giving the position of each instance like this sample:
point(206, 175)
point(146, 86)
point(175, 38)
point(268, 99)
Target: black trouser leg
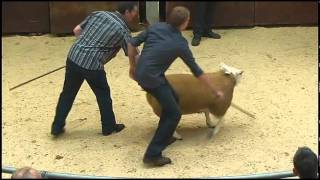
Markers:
point(175, 95)
point(72, 83)
point(169, 120)
point(199, 19)
point(98, 82)
point(208, 17)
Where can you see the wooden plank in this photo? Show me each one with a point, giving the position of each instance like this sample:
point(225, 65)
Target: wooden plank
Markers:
point(25, 17)
point(65, 15)
point(286, 13)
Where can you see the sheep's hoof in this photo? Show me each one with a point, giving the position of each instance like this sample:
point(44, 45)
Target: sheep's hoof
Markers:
point(216, 130)
point(211, 126)
point(177, 136)
point(210, 133)
point(213, 131)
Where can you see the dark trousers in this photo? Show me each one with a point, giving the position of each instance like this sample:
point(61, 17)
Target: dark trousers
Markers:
point(169, 119)
point(203, 18)
point(74, 77)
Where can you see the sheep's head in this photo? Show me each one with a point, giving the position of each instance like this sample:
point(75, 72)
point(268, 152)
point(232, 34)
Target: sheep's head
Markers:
point(236, 73)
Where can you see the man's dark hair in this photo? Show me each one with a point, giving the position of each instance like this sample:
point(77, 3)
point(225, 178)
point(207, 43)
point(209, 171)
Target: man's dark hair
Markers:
point(306, 163)
point(126, 5)
point(178, 16)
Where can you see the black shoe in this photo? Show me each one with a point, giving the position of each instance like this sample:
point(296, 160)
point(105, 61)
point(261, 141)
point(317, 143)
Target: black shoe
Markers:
point(195, 41)
point(56, 132)
point(212, 35)
point(117, 128)
point(156, 161)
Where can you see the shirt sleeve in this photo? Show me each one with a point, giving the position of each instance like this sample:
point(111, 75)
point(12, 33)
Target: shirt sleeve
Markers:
point(136, 41)
point(85, 21)
point(188, 59)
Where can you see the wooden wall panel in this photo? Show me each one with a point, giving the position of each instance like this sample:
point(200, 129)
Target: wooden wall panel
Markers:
point(225, 13)
point(25, 17)
point(65, 15)
point(62, 16)
point(286, 13)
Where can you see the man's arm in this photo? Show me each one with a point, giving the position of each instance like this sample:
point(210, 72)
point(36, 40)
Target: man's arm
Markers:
point(133, 51)
point(77, 31)
point(187, 57)
point(133, 54)
point(205, 79)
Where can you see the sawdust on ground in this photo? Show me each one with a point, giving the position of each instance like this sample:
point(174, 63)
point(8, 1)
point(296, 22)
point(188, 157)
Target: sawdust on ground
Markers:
point(279, 87)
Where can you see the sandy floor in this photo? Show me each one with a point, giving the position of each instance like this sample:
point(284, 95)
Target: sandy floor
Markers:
point(279, 86)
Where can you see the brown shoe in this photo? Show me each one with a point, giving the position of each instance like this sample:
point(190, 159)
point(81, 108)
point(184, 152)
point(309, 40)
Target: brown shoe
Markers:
point(156, 161)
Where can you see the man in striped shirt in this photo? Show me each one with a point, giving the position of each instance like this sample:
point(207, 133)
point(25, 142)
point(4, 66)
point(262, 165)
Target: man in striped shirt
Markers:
point(99, 38)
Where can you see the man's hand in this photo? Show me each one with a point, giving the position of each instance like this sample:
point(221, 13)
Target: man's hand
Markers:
point(205, 79)
point(219, 94)
point(77, 31)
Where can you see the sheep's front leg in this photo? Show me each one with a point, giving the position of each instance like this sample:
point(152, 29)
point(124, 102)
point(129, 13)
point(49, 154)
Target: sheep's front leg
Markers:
point(176, 135)
point(218, 126)
point(209, 122)
point(216, 129)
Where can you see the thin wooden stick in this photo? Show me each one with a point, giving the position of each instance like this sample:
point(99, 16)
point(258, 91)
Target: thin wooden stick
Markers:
point(36, 78)
point(242, 110)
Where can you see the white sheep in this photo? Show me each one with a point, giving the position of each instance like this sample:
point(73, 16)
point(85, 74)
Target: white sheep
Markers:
point(195, 97)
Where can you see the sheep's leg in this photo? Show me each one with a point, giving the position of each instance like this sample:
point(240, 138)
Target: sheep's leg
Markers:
point(218, 126)
point(176, 135)
point(216, 129)
point(209, 122)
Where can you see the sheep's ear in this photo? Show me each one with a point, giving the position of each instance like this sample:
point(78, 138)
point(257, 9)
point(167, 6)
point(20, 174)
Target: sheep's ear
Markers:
point(241, 72)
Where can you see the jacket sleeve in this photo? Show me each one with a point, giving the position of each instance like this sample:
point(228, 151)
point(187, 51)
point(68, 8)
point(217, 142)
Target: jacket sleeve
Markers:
point(136, 41)
point(187, 57)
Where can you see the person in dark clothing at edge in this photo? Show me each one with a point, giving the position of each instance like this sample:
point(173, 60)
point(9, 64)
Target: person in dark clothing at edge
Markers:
point(202, 22)
point(99, 38)
point(305, 163)
point(163, 43)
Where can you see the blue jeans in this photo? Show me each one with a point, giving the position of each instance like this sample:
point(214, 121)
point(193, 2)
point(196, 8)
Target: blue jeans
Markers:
point(74, 77)
point(169, 119)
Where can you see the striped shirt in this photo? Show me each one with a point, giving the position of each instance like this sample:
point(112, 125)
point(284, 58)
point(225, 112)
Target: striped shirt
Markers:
point(103, 35)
